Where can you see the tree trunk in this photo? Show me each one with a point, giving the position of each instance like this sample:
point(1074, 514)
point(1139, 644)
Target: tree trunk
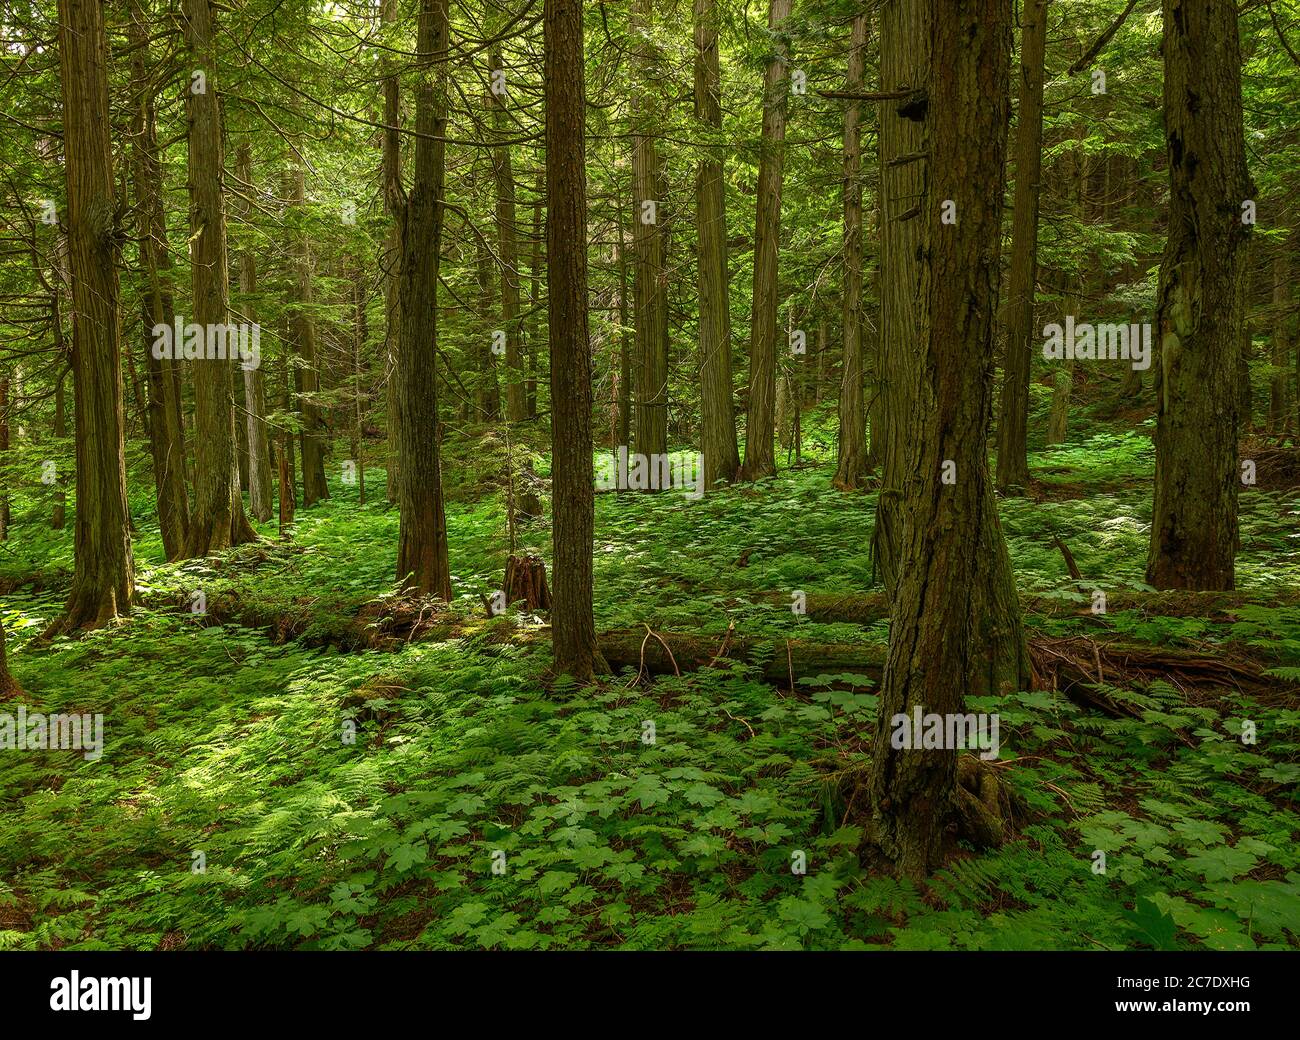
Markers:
point(394, 205)
point(166, 441)
point(103, 584)
point(314, 486)
point(760, 458)
point(573, 627)
point(626, 343)
point(955, 619)
point(4, 449)
point(1013, 459)
point(508, 250)
point(534, 338)
point(1200, 313)
point(1278, 413)
point(217, 520)
point(422, 564)
point(851, 469)
point(258, 463)
point(717, 407)
point(651, 284)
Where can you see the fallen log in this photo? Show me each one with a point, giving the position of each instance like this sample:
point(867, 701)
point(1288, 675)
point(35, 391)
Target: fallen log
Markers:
point(867, 608)
point(779, 661)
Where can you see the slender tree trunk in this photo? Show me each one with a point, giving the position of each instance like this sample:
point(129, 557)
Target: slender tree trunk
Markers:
point(851, 469)
point(360, 334)
point(717, 406)
point(395, 205)
point(955, 622)
point(627, 342)
point(534, 337)
point(760, 457)
point(572, 625)
point(314, 486)
point(4, 450)
point(1200, 314)
point(59, 517)
point(422, 563)
point(1278, 411)
point(217, 520)
point(258, 462)
point(651, 282)
point(508, 249)
point(486, 393)
point(1013, 459)
point(156, 305)
point(103, 584)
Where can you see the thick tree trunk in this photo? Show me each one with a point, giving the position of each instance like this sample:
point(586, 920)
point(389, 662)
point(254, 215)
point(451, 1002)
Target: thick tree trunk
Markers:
point(258, 464)
point(717, 407)
point(217, 520)
point(1013, 462)
point(651, 290)
point(1200, 314)
point(314, 485)
point(955, 619)
point(904, 57)
point(851, 470)
point(103, 584)
point(760, 457)
point(422, 542)
point(573, 628)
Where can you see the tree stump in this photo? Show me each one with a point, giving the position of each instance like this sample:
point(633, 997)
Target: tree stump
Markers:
point(526, 580)
point(8, 685)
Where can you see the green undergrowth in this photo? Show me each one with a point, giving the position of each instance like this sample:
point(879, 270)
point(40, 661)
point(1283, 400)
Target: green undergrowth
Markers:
point(443, 795)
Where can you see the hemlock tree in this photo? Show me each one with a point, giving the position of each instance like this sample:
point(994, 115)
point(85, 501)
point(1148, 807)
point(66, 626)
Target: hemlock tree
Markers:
point(103, 584)
point(955, 623)
point(573, 629)
point(422, 564)
point(217, 520)
point(1200, 313)
point(760, 422)
point(717, 408)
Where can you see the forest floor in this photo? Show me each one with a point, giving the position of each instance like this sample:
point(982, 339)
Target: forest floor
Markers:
point(481, 805)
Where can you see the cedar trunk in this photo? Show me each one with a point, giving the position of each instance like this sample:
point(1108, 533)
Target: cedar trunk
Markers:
point(572, 626)
point(422, 563)
point(955, 620)
point(651, 277)
point(1200, 311)
point(218, 519)
point(717, 408)
point(851, 470)
point(760, 430)
point(103, 584)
